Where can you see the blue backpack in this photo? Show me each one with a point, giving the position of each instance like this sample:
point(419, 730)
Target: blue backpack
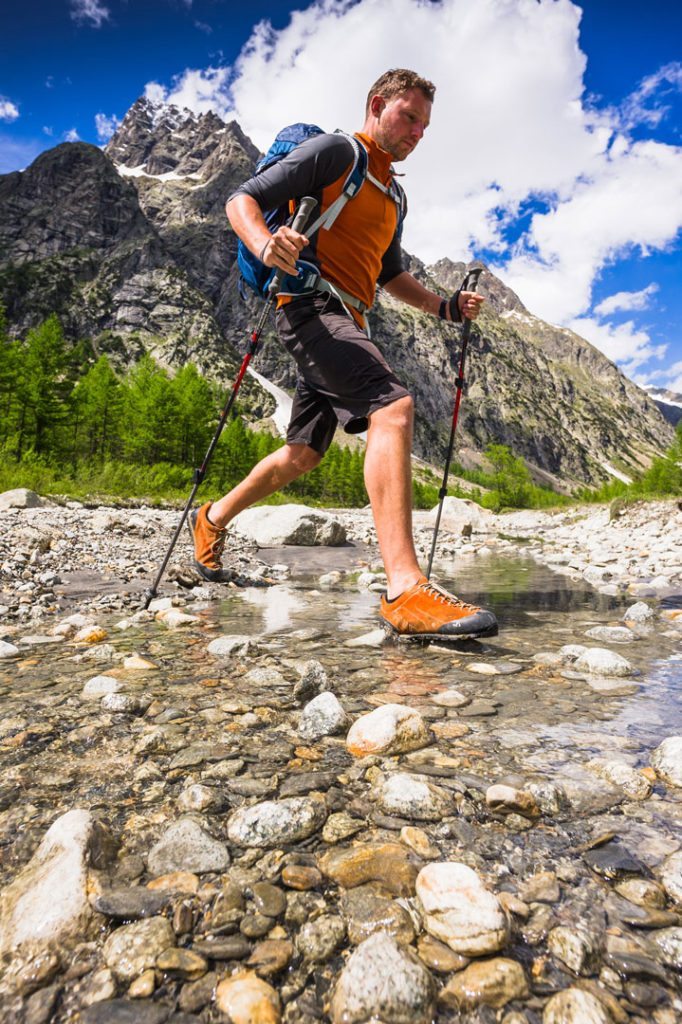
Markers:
point(254, 273)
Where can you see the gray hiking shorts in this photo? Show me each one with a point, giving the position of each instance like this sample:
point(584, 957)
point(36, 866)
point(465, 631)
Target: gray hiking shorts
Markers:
point(343, 377)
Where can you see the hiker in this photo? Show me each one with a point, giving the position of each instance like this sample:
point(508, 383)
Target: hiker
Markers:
point(343, 378)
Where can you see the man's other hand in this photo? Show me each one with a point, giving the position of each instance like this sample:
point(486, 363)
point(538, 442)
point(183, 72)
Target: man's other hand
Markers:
point(283, 248)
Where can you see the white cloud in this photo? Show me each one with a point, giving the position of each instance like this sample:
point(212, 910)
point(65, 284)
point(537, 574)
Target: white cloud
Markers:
point(106, 126)
point(48, 130)
point(71, 136)
point(8, 111)
point(511, 126)
point(89, 12)
point(621, 301)
point(625, 343)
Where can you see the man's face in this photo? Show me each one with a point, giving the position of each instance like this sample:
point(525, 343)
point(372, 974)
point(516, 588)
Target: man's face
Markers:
point(401, 122)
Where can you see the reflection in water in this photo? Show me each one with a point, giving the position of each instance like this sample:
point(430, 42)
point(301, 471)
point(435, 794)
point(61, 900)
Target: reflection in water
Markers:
point(278, 606)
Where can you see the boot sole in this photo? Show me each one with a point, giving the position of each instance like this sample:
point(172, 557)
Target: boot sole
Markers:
point(441, 638)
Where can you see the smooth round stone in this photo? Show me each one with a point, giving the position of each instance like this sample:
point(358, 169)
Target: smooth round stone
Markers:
point(128, 904)
point(413, 796)
point(639, 613)
point(90, 635)
point(449, 730)
point(419, 842)
point(255, 926)
point(173, 618)
point(227, 947)
point(134, 948)
point(611, 634)
point(438, 956)
point(323, 716)
point(318, 940)
point(599, 661)
point(196, 798)
point(388, 863)
point(670, 872)
point(643, 892)
point(143, 987)
point(271, 957)
point(498, 668)
point(366, 913)
point(389, 729)
point(7, 650)
point(175, 881)
point(298, 876)
point(508, 800)
point(269, 900)
point(490, 983)
point(459, 910)
point(667, 760)
point(450, 699)
point(247, 999)
point(183, 962)
point(276, 822)
point(548, 658)
point(383, 981)
point(575, 1006)
point(185, 846)
point(232, 646)
point(100, 686)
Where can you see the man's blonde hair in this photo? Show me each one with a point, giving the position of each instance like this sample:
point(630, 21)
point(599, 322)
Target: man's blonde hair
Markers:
point(397, 81)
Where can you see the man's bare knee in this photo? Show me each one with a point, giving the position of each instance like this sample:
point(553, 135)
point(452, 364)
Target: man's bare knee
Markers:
point(303, 457)
point(398, 415)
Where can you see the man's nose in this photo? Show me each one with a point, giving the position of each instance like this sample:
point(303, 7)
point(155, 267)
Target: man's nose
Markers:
point(417, 130)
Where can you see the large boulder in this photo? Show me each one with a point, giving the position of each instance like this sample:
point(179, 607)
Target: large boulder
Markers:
point(273, 526)
point(460, 515)
point(20, 497)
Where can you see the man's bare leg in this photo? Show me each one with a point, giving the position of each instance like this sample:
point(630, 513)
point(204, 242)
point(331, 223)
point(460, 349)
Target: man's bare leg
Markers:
point(388, 479)
point(269, 475)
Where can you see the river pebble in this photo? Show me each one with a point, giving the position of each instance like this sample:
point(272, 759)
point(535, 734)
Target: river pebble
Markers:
point(493, 983)
point(274, 822)
point(247, 999)
point(600, 661)
point(390, 729)
point(322, 716)
point(186, 846)
point(667, 760)
point(413, 796)
point(133, 948)
point(459, 910)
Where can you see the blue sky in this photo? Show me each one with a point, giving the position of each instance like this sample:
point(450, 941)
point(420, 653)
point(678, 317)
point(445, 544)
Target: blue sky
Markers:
point(555, 151)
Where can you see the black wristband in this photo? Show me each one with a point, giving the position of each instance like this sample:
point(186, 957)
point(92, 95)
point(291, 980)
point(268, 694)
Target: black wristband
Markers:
point(442, 308)
point(455, 314)
point(262, 252)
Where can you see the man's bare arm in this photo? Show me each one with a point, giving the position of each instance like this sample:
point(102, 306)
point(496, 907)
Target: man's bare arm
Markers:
point(408, 289)
point(280, 250)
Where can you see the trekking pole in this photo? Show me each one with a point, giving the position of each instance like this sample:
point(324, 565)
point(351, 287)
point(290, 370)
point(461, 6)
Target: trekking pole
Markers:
point(303, 215)
point(472, 275)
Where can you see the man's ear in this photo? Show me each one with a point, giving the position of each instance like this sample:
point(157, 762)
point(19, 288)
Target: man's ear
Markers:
point(376, 105)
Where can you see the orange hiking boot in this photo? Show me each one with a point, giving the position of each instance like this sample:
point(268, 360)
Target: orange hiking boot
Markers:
point(428, 612)
point(209, 541)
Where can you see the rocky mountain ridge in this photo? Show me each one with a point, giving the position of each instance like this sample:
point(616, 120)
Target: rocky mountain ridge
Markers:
point(131, 247)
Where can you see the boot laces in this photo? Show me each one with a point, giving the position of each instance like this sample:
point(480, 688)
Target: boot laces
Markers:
point(433, 590)
point(217, 547)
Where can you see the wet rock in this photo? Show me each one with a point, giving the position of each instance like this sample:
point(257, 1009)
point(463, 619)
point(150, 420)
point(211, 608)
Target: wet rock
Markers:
point(497, 668)
point(388, 863)
point(668, 943)
point(318, 940)
point(611, 634)
point(175, 881)
point(450, 699)
point(459, 910)
point(254, 926)
point(389, 729)
point(642, 892)
point(276, 822)
point(365, 913)
point(491, 983)
point(99, 686)
point(576, 947)
point(600, 661)
point(613, 861)
point(227, 947)
point(268, 899)
point(375, 638)
point(271, 957)
point(197, 798)
point(130, 904)
point(314, 680)
point(383, 981)
point(341, 826)
point(7, 650)
point(667, 760)
point(125, 1011)
point(307, 782)
point(542, 887)
point(413, 796)
point(247, 999)
point(438, 956)
point(670, 873)
point(134, 948)
point(639, 613)
point(633, 782)
point(419, 843)
point(550, 797)
point(575, 1006)
point(173, 618)
point(276, 525)
point(232, 646)
point(47, 901)
point(185, 846)
point(298, 876)
point(143, 987)
point(508, 800)
point(183, 963)
point(323, 716)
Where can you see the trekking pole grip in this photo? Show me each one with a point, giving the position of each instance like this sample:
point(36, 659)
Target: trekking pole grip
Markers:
point(473, 276)
point(305, 211)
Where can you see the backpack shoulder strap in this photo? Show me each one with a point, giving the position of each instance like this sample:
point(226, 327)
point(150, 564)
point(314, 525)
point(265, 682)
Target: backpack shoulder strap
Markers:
point(351, 186)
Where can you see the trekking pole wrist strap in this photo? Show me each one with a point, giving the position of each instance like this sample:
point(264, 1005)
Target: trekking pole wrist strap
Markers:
point(453, 304)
